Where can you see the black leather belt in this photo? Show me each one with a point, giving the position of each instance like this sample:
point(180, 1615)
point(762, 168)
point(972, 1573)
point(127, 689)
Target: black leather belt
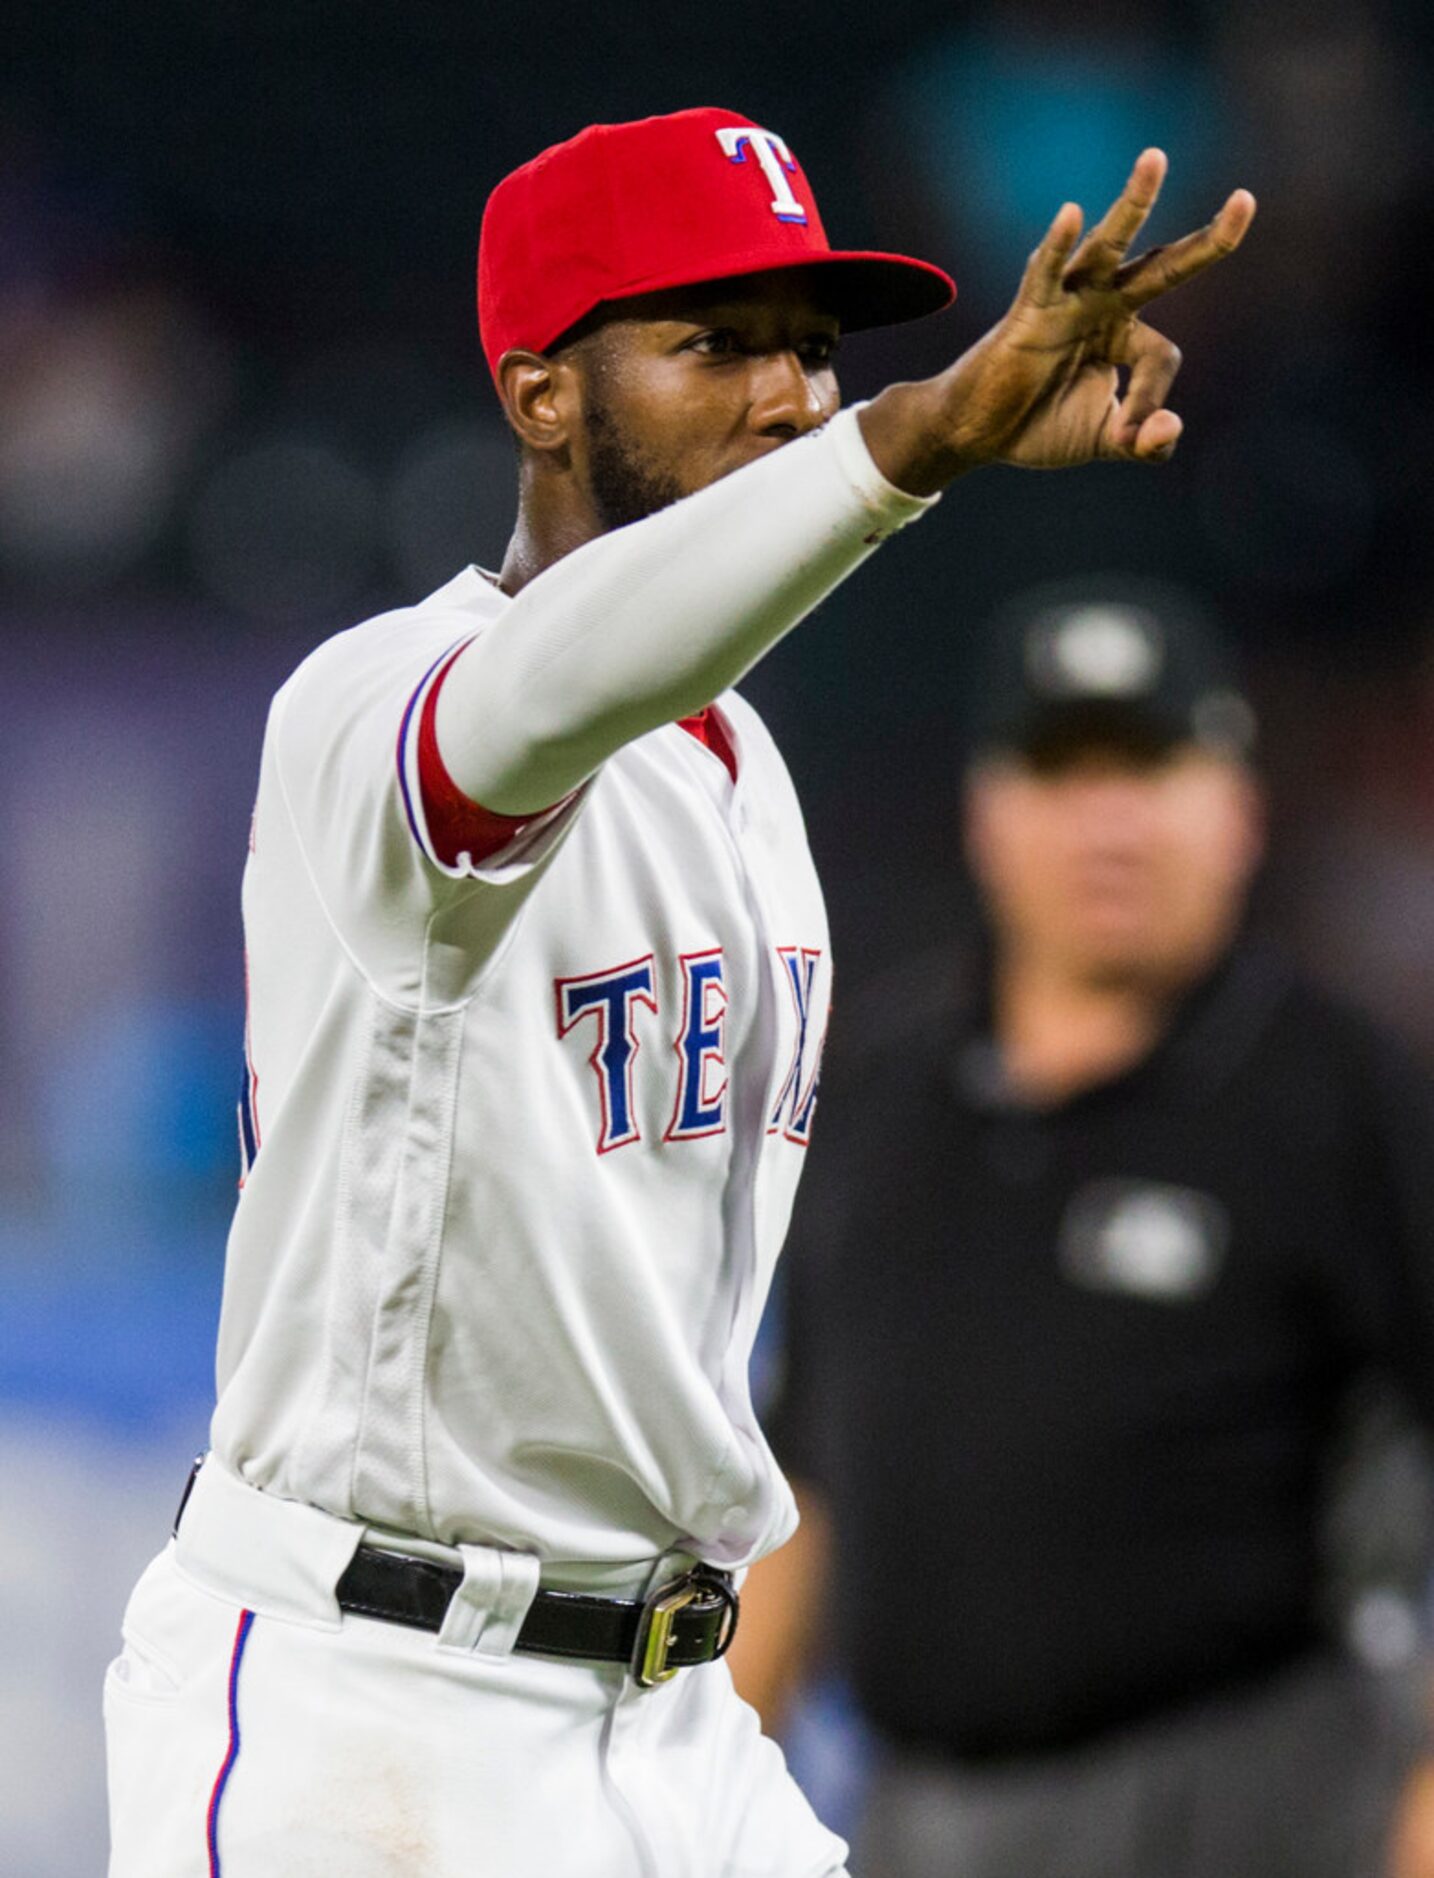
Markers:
point(690, 1619)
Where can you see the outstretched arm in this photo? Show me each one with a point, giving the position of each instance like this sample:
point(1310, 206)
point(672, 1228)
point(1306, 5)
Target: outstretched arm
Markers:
point(653, 621)
point(642, 626)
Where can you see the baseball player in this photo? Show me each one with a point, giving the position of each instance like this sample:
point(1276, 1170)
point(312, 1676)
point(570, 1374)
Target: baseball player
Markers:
point(538, 974)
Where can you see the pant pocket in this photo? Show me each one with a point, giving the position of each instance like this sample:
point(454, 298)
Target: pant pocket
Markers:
point(141, 1673)
point(166, 1725)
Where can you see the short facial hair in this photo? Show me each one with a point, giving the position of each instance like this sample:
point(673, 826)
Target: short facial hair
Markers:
point(624, 488)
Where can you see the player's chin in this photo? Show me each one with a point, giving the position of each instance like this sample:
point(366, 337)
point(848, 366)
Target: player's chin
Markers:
point(747, 456)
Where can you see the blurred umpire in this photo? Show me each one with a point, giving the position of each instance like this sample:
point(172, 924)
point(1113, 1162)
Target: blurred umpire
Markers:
point(1105, 1228)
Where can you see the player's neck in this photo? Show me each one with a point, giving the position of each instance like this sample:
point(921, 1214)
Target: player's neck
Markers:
point(1059, 1034)
point(530, 551)
point(554, 518)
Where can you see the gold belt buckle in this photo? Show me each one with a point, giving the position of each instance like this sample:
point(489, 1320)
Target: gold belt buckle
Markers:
point(654, 1634)
point(659, 1614)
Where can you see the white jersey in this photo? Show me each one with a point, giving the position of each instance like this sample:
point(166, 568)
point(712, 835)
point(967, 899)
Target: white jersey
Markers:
point(525, 1135)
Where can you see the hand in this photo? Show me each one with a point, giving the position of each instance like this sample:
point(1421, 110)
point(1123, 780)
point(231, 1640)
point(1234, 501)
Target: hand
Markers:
point(1042, 388)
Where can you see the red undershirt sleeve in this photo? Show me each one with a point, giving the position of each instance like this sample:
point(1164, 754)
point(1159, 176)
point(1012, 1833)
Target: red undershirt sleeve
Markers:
point(453, 827)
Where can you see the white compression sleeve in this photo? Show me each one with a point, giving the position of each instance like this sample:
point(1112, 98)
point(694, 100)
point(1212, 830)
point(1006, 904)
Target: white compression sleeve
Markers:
point(651, 622)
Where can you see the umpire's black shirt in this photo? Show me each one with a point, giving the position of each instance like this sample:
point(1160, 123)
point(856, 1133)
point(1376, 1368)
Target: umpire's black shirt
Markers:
point(1070, 1376)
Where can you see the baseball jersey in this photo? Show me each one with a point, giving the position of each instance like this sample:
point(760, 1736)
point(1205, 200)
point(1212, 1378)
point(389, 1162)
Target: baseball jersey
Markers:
point(523, 1133)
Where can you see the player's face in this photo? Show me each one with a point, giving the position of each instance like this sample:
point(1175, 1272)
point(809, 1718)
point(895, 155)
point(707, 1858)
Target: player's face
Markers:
point(1114, 867)
point(688, 386)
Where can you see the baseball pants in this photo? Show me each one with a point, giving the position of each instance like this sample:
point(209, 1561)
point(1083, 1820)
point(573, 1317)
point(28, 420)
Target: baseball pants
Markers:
point(254, 1732)
point(1294, 1778)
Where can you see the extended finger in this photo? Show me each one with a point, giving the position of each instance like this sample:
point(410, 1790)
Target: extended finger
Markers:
point(1041, 282)
point(1150, 275)
point(1104, 247)
point(1153, 361)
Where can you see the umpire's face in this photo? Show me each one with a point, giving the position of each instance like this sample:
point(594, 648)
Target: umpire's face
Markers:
point(1109, 865)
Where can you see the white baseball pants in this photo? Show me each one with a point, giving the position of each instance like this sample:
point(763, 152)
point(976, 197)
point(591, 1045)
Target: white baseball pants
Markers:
point(255, 1732)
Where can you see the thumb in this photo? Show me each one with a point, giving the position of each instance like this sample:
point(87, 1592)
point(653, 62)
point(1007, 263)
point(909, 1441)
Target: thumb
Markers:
point(1153, 442)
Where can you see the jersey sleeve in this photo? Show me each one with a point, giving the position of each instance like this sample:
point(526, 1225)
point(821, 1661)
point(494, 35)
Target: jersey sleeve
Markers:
point(459, 836)
point(590, 654)
point(387, 841)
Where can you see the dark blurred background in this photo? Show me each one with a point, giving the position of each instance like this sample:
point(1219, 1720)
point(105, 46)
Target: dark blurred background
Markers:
point(242, 405)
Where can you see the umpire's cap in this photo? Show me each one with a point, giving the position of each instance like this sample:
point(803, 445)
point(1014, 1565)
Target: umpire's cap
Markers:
point(1109, 661)
point(625, 209)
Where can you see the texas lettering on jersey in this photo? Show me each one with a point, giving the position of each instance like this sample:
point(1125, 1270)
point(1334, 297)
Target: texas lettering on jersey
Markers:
point(607, 1005)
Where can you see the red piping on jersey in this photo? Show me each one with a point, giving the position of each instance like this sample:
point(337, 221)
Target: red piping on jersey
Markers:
point(458, 825)
point(231, 1754)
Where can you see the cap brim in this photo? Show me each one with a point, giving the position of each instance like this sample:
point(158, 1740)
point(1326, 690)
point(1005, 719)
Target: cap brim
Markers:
point(862, 290)
point(1070, 725)
point(866, 290)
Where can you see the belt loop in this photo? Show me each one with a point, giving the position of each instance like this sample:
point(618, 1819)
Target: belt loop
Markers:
point(487, 1610)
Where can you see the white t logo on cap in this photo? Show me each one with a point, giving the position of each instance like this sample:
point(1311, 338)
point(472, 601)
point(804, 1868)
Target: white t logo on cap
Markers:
point(775, 158)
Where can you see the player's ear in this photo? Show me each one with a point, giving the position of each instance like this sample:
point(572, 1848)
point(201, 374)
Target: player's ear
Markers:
point(540, 398)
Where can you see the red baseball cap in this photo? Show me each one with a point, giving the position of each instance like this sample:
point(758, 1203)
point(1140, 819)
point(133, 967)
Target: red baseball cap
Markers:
point(624, 209)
